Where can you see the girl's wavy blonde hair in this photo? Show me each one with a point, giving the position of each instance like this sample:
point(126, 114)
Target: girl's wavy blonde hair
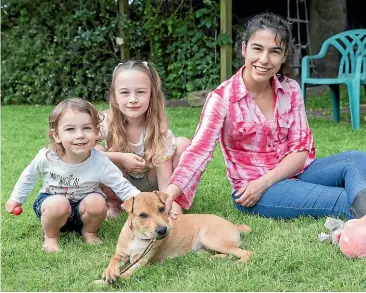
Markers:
point(156, 124)
point(77, 105)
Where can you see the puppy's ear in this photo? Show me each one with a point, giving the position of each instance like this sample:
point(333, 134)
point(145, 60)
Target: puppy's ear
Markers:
point(128, 204)
point(161, 195)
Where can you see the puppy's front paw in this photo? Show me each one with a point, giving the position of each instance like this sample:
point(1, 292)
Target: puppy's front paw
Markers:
point(246, 257)
point(111, 274)
point(126, 275)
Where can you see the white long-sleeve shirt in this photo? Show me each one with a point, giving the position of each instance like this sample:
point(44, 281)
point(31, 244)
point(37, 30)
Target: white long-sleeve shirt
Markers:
point(73, 181)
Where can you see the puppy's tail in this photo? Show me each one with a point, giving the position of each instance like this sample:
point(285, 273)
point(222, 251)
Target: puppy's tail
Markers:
point(243, 228)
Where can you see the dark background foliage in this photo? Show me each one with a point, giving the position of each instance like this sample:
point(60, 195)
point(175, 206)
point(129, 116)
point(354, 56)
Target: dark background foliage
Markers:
point(52, 50)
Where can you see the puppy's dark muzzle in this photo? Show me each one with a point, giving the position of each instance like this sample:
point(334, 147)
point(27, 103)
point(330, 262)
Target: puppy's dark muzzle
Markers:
point(161, 231)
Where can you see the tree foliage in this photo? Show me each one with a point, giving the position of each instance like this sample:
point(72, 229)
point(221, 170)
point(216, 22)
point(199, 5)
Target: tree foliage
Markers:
point(52, 50)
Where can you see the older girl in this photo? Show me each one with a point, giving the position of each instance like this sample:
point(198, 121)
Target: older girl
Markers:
point(136, 133)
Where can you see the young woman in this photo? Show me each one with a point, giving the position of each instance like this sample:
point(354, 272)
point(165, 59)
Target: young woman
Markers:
point(259, 117)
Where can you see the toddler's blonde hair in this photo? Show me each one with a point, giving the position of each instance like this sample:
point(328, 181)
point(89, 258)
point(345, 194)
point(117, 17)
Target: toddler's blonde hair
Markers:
point(77, 105)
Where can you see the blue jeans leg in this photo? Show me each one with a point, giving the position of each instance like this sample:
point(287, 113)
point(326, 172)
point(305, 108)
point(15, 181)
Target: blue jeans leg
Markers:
point(346, 170)
point(292, 198)
point(331, 186)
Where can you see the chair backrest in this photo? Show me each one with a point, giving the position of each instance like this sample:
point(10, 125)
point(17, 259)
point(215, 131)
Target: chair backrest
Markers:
point(363, 69)
point(350, 44)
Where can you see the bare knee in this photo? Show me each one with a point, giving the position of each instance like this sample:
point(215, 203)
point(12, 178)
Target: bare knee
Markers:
point(182, 143)
point(93, 204)
point(56, 205)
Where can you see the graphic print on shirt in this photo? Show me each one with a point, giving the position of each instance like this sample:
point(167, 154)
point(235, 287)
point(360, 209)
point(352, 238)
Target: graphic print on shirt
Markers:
point(70, 181)
point(69, 195)
point(65, 185)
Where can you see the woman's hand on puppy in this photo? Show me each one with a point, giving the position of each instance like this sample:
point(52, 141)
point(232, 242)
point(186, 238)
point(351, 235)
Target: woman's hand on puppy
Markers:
point(173, 191)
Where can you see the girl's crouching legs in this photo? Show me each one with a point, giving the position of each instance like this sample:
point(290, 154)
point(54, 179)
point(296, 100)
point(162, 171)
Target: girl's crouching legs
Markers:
point(182, 143)
point(113, 202)
point(92, 211)
point(55, 211)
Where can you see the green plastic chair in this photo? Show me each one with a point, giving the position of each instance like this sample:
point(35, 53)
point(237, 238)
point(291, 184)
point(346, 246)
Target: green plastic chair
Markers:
point(352, 71)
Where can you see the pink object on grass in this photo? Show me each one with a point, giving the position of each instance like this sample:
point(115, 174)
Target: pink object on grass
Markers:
point(352, 240)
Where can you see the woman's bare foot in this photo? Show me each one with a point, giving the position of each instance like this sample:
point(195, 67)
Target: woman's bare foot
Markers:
point(91, 238)
point(51, 244)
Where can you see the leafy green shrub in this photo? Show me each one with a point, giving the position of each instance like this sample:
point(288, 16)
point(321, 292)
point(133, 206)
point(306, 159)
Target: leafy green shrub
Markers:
point(52, 50)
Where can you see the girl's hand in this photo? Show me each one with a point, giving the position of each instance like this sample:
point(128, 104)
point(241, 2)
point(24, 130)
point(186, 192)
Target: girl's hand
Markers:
point(250, 194)
point(10, 205)
point(132, 163)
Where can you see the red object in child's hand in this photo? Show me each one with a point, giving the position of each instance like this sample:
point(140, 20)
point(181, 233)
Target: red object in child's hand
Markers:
point(17, 210)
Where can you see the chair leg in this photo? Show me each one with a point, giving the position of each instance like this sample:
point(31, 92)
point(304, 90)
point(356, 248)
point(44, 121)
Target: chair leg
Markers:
point(354, 103)
point(334, 93)
point(303, 89)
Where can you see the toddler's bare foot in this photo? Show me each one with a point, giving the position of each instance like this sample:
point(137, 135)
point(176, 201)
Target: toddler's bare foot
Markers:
point(91, 238)
point(51, 245)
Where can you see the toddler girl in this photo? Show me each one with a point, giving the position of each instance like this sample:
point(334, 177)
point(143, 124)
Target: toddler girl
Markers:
point(70, 198)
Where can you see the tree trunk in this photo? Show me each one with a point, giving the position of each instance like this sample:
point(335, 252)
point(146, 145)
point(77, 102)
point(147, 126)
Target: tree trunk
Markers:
point(327, 17)
point(123, 34)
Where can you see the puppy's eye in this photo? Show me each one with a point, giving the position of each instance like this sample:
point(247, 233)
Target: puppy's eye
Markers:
point(143, 215)
point(161, 209)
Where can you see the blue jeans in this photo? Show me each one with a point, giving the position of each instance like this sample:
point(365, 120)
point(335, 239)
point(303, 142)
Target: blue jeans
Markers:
point(330, 186)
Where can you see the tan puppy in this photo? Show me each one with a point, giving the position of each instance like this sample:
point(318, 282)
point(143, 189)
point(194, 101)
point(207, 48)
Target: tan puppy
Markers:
point(147, 219)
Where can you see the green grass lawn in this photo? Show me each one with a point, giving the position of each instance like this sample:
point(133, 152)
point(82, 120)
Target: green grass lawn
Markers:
point(320, 105)
point(288, 255)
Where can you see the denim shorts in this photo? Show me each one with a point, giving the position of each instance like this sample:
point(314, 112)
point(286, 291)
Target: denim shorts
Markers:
point(73, 223)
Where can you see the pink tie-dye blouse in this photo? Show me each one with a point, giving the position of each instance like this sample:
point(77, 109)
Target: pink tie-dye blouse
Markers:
point(251, 145)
